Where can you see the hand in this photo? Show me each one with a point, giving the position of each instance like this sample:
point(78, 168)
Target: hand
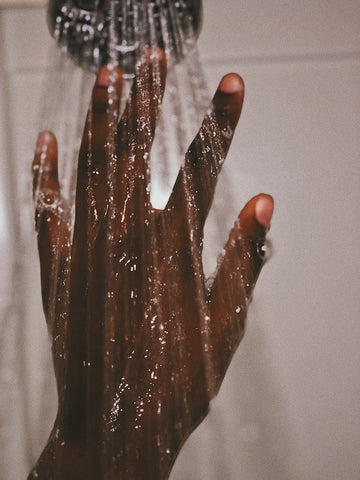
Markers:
point(140, 345)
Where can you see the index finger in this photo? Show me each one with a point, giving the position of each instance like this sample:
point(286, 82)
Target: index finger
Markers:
point(205, 156)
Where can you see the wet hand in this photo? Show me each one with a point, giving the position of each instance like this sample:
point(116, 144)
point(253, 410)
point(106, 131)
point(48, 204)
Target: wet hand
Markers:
point(140, 343)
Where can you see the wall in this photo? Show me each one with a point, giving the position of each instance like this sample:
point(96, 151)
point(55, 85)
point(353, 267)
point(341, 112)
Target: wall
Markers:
point(289, 407)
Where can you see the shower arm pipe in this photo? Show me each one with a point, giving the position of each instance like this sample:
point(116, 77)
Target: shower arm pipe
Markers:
point(92, 13)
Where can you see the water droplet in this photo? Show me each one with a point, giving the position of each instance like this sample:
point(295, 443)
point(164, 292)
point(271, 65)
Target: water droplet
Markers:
point(227, 132)
point(264, 249)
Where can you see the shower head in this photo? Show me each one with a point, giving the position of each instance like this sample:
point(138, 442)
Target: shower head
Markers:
point(94, 32)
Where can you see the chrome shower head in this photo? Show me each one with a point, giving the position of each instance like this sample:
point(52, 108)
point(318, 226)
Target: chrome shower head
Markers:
point(94, 32)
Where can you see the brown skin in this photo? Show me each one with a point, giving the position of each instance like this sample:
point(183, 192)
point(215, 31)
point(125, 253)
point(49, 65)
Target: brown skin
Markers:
point(132, 347)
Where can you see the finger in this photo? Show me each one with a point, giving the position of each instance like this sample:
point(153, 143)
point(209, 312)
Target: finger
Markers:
point(137, 125)
point(255, 217)
point(97, 146)
point(139, 118)
point(53, 235)
point(45, 168)
point(197, 180)
point(236, 278)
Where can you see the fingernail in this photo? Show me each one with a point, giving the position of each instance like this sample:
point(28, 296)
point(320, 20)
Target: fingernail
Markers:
point(154, 54)
point(42, 141)
point(108, 75)
point(263, 210)
point(103, 77)
point(231, 83)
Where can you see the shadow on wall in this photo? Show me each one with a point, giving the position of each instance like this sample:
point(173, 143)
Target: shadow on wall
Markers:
point(27, 389)
point(246, 434)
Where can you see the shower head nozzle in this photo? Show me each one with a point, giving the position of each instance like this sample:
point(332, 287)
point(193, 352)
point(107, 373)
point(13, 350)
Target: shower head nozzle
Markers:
point(94, 32)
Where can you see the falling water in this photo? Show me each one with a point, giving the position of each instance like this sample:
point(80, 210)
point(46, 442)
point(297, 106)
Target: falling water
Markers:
point(128, 308)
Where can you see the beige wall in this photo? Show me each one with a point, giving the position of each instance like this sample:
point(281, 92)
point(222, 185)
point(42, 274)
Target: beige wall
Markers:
point(289, 408)
point(22, 3)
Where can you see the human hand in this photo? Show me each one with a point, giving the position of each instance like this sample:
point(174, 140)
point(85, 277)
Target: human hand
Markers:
point(140, 344)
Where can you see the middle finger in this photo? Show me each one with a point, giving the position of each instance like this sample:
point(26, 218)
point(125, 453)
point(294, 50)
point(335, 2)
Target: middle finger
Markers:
point(136, 131)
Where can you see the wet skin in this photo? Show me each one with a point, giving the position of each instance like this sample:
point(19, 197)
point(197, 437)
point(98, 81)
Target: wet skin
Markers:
point(134, 327)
